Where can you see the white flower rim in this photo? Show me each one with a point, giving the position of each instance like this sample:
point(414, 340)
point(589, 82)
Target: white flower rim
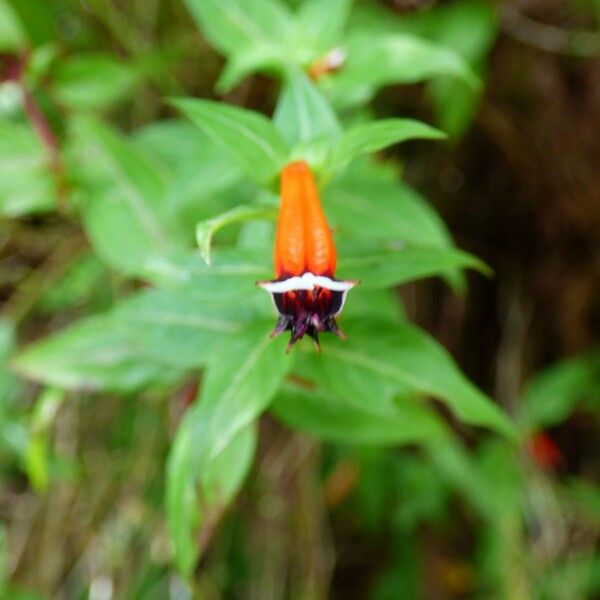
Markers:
point(307, 281)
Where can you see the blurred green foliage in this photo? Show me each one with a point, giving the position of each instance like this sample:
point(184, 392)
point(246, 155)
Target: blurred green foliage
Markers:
point(99, 129)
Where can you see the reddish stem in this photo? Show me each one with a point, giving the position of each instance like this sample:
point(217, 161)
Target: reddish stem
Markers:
point(41, 126)
point(14, 70)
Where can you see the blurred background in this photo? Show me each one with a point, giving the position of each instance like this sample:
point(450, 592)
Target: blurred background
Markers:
point(518, 184)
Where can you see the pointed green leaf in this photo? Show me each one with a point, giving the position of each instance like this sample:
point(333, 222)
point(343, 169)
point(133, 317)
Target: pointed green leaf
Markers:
point(261, 57)
point(94, 354)
point(12, 33)
point(37, 19)
point(37, 454)
point(196, 499)
point(375, 209)
point(320, 25)
point(552, 395)
point(455, 102)
point(231, 276)
point(180, 329)
point(242, 377)
point(406, 356)
point(249, 137)
point(181, 499)
point(335, 378)
point(377, 61)
point(126, 214)
point(303, 113)
point(204, 181)
point(384, 266)
point(151, 338)
point(92, 80)
point(377, 135)
point(378, 302)
point(368, 204)
point(232, 25)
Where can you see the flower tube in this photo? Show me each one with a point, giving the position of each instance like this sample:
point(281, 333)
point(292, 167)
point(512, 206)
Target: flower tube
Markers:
point(305, 291)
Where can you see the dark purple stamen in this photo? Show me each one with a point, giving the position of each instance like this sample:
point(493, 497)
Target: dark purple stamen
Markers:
point(308, 312)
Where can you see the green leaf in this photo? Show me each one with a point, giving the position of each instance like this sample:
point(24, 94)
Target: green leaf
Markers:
point(204, 181)
point(317, 28)
point(84, 283)
point(228, 284)
point(231, 276)
point(150, 339)
point(206, 229)
point(37, 453)
point(242, 377)
point(37, 19)
point(266, 58)
point(320, 25)
point(372, 208)
point(384, 303)
point(351, 420)
point(241, 380)
point(315, 153)
point(180, 329)
point(249, 137)
point(92, 81)
point(372, 137)
point(94, 354)
point(126, 214)
point(125, 230)
point(8, 383)
point(234, 25)
point(456, 103)
point(196, 499)
point(376, 61)
point(39, 62)
point(407, 357)
point(502, 476)
point(185, 149)
point(321, 372)
point(12, 33)
point(27, 184)
point(302, 112)
point(552, 395)
point(384, 266)
point(371, 204)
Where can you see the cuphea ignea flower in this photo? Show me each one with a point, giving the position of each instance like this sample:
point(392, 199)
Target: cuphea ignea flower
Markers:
point(305, 291)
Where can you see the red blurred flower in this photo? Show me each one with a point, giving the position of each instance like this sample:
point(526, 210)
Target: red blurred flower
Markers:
point(544, 451)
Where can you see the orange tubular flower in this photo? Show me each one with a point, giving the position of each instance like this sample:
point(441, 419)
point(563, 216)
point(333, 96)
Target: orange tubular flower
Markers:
point(305, 292)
